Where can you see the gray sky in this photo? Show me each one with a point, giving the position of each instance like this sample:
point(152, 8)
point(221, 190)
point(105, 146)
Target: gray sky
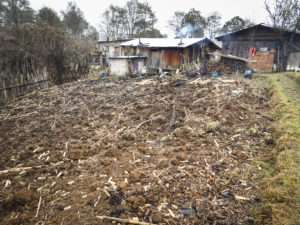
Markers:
point(164, 10)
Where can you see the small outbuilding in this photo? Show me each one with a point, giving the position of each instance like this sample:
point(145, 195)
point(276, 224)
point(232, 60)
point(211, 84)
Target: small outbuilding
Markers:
point(126, 65)
point(167, 54)
point(269, 49)
point(107, 49)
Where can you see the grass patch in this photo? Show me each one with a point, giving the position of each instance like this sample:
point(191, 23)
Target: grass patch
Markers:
point(294, 76)
point(265, 166)
point(281, 187)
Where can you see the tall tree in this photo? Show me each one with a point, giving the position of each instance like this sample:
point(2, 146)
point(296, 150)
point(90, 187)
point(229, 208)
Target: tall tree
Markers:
point(112, 23)
point(191, 24)
point(194, 24)
point(213, 23)
point(154, 33)
point(235, 24)
point(146, 19)
point(74, 20)
point(133, 20)
point(175, 23)
point(92, 33)
point(15, 12)
point(283, 13)
point(49, 16)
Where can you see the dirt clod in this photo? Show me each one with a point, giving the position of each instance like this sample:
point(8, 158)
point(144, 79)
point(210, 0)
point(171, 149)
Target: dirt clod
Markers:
point(25, 196)
point(163, 163)
point(135, 176)
point(157, 218)
point(76, 154)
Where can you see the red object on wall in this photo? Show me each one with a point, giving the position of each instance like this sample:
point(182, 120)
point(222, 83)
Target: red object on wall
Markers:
point(252, 51)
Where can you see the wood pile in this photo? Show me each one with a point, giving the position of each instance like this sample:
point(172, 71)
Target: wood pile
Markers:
point(226, 66)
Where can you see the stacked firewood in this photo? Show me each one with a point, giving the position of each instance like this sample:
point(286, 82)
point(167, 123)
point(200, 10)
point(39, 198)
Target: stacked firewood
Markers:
point(226, 66)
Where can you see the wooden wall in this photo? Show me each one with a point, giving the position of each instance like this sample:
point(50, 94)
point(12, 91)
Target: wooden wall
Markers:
point(13, 86)
point(239, 43)
point(169, 58)
point(242, 48)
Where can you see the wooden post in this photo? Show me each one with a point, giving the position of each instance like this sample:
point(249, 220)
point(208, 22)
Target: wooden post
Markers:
point(4, 90)
point(278, 63)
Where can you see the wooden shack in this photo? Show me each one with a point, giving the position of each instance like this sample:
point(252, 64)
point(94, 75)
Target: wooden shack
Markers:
point(262, 40)
point(167, 54)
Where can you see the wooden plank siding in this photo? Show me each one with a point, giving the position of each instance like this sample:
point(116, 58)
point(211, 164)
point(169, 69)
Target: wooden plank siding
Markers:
point(259, 36)
point(154, 59)
point(171, 58)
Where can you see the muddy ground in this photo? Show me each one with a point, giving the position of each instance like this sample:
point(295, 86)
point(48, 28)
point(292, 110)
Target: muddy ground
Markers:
point(157, 150)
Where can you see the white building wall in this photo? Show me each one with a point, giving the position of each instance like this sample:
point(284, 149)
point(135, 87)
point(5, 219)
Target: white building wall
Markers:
point(118, 67)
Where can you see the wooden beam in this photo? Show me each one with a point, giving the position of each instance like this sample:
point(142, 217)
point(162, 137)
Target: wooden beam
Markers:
point(229, 56)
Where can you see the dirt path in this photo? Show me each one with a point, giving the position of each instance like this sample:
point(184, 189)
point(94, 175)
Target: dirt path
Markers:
point(157, 150)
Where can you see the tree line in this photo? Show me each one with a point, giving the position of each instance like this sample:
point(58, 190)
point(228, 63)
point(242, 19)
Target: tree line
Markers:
point(31, 42)
point(137, 19)
point(64, 43)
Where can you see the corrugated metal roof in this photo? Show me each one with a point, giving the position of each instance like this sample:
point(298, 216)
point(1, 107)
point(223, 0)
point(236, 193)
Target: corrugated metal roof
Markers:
point(163, 42)
point(127, 57)
point(254, 27)
point(120, 40)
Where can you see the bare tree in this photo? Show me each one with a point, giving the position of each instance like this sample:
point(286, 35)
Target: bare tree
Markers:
point(283, 13)
point(133, 20)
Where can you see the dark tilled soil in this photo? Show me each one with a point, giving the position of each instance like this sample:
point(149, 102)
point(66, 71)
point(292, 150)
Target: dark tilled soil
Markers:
point(156, 150)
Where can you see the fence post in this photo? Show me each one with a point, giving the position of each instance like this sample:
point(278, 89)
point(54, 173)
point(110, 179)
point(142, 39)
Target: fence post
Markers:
point(4, 90)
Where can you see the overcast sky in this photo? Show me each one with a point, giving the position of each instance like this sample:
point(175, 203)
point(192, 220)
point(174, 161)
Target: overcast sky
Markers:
point(164, 9)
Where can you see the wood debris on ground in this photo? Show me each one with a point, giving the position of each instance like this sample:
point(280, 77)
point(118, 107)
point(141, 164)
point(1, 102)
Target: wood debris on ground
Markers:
point(139, 148)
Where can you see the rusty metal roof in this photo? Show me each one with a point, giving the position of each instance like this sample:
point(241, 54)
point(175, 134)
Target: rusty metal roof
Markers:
point(165, 42)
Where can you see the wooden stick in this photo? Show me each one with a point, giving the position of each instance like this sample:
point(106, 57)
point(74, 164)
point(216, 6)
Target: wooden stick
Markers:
point(186, 114)
point(123, 220)
point(20, 169)
point(173, 118)
point(38, 208)
point(147, 121)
